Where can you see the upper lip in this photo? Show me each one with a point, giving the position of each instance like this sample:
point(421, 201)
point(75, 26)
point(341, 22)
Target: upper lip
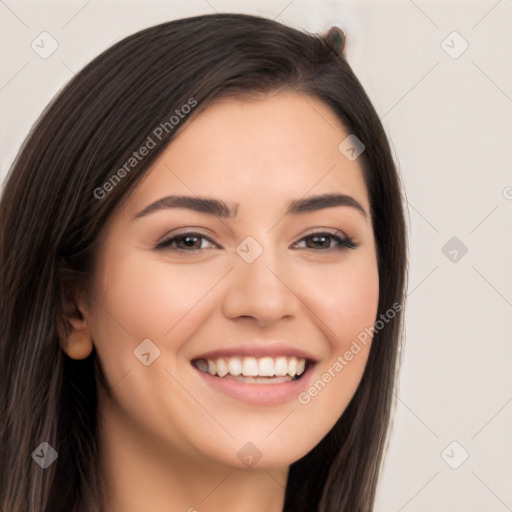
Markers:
point(259, 350)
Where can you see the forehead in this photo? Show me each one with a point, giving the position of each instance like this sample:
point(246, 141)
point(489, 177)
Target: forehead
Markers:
point(275, 147)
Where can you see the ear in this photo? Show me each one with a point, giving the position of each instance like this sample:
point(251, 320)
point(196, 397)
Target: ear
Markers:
point(75, 338)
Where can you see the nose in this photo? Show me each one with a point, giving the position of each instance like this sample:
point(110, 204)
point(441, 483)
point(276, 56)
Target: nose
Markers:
point(260, 291)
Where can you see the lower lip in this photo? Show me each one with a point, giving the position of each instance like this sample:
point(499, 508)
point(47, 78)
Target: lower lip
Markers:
point(260, 394)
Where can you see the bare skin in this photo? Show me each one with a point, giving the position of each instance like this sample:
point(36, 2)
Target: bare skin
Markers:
point(168, 439)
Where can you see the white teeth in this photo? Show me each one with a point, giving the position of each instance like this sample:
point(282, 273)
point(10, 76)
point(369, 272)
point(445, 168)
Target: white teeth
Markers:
point(212, 367)
point(235, 366)
point(249, 367)
point(292, 366)
point(282, 366)
point(222, 368)
point(266, 367)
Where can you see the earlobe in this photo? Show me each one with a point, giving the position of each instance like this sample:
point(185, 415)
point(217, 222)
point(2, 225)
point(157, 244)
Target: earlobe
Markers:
point(78, 344)
point(75, 341)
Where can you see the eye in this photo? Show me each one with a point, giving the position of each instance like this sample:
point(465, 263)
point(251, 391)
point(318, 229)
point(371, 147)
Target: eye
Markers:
point(191, 241)
point(323, 241)
point(188, 241)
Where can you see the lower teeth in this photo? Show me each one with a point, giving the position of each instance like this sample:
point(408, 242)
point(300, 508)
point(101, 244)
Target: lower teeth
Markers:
point(261, 380)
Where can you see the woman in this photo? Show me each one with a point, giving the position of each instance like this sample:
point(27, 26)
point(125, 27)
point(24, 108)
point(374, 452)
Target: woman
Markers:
point(203, 272)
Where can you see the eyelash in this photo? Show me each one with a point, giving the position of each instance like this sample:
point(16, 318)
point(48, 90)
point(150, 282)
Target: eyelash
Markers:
point(343, 242)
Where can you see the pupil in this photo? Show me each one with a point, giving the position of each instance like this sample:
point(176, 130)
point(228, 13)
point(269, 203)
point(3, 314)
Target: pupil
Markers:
point(322, 239)
point(190, 241)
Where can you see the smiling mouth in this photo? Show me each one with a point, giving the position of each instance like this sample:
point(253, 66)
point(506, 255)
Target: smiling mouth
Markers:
point(252, 370)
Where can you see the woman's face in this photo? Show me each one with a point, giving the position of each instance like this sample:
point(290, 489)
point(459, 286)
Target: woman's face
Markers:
point(259, 274)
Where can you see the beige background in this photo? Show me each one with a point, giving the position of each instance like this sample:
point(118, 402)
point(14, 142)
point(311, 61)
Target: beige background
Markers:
point(449, 117)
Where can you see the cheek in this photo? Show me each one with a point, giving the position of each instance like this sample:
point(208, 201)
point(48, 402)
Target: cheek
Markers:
point(148, 298)
point(344, 297)
point(346, 301)
point(139, 298)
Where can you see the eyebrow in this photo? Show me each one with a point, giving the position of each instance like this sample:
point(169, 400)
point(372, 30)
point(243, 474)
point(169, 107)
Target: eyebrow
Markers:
point(221, 209)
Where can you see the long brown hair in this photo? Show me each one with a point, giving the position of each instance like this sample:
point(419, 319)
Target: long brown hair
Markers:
point(51, 220)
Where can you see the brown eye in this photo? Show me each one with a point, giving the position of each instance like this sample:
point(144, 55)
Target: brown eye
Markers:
point(326, 241)
point(186, 242)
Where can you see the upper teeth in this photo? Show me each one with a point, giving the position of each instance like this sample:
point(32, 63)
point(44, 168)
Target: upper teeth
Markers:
point(253, 367)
